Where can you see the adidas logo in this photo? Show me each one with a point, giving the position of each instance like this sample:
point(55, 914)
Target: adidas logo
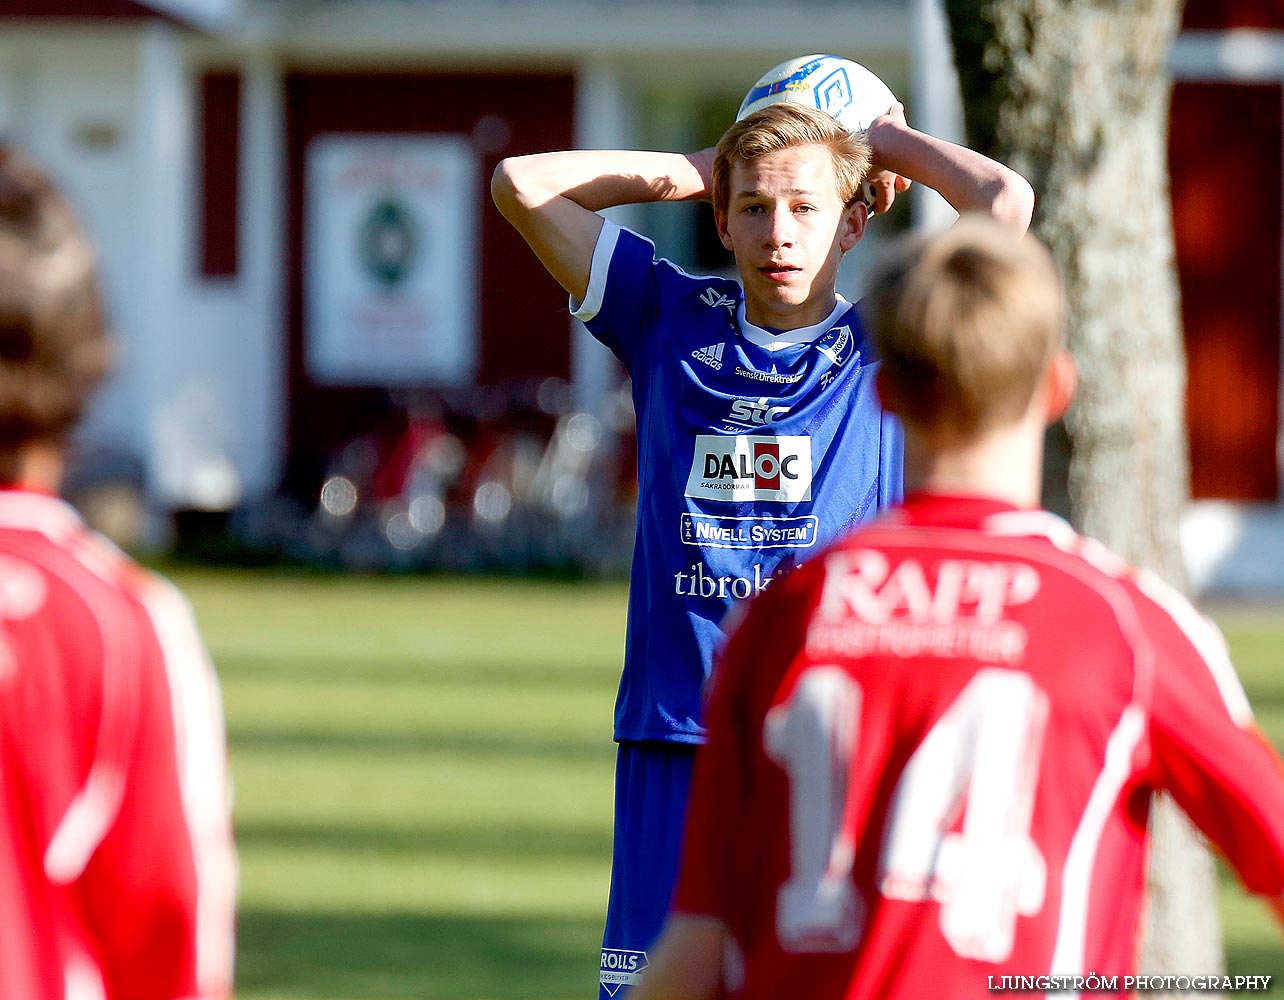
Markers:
point(711, 356)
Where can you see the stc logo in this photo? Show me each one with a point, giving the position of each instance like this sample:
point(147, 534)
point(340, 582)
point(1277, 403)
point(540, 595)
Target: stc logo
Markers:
point(751, 468)
point(755, 413)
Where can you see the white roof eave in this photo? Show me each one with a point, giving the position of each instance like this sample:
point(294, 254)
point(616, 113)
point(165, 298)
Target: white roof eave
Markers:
point(573, 30)
point(207, 15)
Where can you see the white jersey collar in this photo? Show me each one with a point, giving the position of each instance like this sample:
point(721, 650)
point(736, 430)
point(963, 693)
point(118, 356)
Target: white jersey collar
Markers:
point(778, 340)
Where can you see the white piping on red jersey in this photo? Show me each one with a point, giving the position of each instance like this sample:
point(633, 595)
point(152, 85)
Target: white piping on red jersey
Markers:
point(82, 978)
point(94, 809)
point(1196, 627)
point(1041, 523)
point(1081, 858)
point(85, 823)
point(198, 739)
point(1207, 640)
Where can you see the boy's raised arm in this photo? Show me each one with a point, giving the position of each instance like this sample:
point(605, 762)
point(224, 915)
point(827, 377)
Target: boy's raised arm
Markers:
point(552, 199)
point(968, 180)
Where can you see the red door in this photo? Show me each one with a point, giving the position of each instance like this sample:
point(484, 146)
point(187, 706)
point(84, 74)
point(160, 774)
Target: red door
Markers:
point(1224, 152)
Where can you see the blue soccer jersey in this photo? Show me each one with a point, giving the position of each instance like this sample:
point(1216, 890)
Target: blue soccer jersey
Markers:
point(755, 449)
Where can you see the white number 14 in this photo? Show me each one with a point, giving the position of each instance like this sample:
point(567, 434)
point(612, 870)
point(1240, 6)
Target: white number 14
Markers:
point(981, 758)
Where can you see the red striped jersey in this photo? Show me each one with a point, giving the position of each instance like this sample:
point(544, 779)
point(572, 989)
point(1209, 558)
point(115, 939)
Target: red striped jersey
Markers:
point(117, 872)
point(932, 754)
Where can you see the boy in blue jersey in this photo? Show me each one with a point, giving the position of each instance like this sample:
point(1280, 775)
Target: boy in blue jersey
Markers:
point(760, 438)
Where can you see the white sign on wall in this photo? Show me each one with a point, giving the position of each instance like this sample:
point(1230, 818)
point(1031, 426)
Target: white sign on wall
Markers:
point(390, 260)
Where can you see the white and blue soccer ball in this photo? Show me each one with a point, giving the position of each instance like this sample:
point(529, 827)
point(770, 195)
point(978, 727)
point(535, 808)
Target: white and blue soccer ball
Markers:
point(844, 89)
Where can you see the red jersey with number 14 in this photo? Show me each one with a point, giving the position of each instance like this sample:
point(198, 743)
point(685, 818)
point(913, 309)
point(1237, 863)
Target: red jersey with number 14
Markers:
point(932, 752)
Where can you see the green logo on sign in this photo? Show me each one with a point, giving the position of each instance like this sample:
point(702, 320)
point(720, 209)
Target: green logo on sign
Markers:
point(389, 242)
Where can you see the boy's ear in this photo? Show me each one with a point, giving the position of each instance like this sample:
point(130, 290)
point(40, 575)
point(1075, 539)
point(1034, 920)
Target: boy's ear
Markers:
point(720, 219)
point(854, 219)
point(1062, 380)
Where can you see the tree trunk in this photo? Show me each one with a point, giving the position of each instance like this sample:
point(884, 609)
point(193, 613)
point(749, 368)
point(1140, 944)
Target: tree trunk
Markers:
point(1074, 94)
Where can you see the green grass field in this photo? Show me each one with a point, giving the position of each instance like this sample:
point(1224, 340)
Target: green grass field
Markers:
point(423, 775)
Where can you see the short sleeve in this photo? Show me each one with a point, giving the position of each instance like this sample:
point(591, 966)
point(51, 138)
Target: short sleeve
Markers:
point(622, 300)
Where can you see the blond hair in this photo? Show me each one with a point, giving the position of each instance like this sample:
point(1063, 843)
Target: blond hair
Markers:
point(53, 342)
point(784, 126)
point(965, 325)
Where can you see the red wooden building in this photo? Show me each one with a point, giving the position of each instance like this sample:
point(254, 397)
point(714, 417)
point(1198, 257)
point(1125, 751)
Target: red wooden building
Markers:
point(185, 131)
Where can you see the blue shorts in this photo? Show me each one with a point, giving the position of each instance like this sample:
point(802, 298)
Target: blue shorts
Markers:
point(651, 785)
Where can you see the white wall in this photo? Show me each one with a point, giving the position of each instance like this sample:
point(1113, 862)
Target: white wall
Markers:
point(198, 390)
point(218, 417)
point(70, 100)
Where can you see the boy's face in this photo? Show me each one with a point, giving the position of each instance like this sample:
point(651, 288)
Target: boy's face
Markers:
point(788, 228)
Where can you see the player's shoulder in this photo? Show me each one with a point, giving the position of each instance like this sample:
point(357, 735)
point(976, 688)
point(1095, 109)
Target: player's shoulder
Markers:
point(158, 606)
point(1162, 612)
point(65, 596)
point(714, 291)
point(1144, 589)
point(1182, 634)
point(698, 293)
point(47, 536)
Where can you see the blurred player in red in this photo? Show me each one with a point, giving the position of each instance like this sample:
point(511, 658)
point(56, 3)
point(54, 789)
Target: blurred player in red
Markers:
point(932, 749)
point(117, 873)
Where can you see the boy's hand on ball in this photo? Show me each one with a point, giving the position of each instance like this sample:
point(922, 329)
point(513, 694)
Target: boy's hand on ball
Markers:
point(883, 184)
